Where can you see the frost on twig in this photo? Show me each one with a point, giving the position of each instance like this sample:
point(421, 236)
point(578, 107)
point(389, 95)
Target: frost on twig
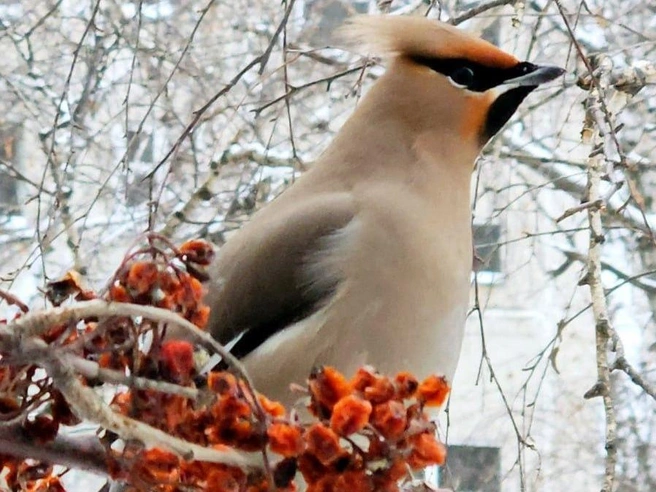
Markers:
point(628, 79)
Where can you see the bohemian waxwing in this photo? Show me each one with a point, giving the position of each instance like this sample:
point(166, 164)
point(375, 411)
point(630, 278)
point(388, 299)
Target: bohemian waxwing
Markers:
point(366, 259)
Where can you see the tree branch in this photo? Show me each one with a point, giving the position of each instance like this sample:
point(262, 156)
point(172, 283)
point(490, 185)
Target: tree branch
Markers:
point(87, 405)
point(473, 12)
point(80, 452)
point(603, 328)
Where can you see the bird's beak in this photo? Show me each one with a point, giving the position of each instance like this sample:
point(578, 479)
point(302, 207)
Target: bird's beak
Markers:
point(538, 76)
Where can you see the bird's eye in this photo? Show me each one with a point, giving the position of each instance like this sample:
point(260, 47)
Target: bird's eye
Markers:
point(462, 77)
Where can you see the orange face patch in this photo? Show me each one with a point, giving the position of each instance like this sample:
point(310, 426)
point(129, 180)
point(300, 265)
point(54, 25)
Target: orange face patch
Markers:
point(477, 107)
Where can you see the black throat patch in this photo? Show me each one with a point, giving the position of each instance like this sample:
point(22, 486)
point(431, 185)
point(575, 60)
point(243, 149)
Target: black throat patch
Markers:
point(473, 76)
point(502, 109)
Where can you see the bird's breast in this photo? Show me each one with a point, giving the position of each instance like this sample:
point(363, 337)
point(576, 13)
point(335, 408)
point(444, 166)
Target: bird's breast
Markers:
point(400, 303)
point(405, 290)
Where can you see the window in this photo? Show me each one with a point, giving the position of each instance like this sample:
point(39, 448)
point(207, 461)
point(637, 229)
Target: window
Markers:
point(140, 159)
point(140, 147)
point(324, 16)
point(486, 247)
point(361, 6)
point(492, 33)
point(472, 469)
point(9, 162)
point(10, 12)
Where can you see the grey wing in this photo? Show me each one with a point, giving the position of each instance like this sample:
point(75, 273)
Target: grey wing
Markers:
point(264, 279)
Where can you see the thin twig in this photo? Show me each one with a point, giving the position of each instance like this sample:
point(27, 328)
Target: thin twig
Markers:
point(597, 204)
point(91, 370)
point(291, 90)
point(473, 12)
point(267, 52)
point(623, 365)
point(199, 113)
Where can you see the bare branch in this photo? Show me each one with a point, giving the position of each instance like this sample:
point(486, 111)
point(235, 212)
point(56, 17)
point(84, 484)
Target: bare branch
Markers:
point(473, 12)
point(603, 327)
point(623, 365)
point(87, 405)
point(597, 204)
point(81, 452)
point(199, 113)
point(91, 370)
point(36, 323)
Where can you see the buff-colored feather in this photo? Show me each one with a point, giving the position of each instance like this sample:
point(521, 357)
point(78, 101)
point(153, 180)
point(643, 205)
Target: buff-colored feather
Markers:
point(366, 259)
point(413, 36)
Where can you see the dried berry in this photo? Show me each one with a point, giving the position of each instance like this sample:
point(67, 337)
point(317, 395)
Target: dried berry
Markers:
point(433, 391)
point(323, 444)
point(273, 408)
point(285, 439)
point(197, 251)
point(406, 385)
point(426, 451)
point(328, 386)
point(118, 293)
point(142, 277)
point(381, 390)
point(222, 383)
point(177, 360)
point(200, 316)
point(389, 419)
point(350, 415)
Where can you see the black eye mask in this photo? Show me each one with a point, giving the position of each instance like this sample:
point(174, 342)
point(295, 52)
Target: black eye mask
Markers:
point(474, 76)
point(480, 78)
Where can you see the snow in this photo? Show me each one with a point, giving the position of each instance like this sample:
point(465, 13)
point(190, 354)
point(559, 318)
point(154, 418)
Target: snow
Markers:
point(10, 12)
point(278, 175)
point(485, 277)
point(156, 10)
point(592, 36)
point(76, 480)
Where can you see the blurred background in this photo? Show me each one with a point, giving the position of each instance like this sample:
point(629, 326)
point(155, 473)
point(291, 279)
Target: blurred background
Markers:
point(185, 116)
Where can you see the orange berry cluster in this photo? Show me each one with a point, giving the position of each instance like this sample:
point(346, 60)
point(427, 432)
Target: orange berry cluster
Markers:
point(158, 274)
point(232, 417)
point(29, 476)
point(387, 415)
point(165, 277)
point(366, 432)
point(145, 280)
point(369, 431)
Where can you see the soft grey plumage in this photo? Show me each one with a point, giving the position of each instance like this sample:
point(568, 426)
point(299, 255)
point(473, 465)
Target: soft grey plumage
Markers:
point(366, 259)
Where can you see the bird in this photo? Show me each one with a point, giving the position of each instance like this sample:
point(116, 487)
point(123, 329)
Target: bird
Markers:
point(366, 259)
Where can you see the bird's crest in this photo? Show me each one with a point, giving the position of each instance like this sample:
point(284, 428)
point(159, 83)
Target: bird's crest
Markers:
point(418, 37)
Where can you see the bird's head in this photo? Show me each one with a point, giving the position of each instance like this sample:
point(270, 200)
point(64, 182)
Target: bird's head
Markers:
point(443, 77)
